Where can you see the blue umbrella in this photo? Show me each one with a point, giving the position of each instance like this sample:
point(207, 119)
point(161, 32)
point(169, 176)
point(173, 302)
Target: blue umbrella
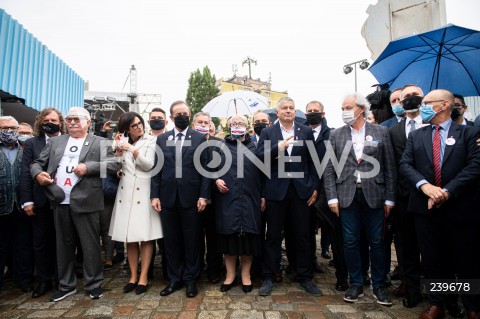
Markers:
point(445, 58)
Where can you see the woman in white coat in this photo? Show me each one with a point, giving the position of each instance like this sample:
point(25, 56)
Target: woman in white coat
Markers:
point(133, 219)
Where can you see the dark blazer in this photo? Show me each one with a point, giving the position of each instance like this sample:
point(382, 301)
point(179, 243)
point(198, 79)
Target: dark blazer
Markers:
point(376, 189)
point(29, 190)
point(390, 122)
point(460, 170)
point(191, 185)
point(276, 187)
point(399, 142)
point(87, 193)
point(321, 138)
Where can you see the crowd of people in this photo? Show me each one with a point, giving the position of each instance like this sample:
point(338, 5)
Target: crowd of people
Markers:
point(229, 201)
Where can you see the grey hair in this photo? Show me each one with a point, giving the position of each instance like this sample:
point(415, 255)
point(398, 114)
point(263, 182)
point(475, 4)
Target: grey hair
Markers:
point(202, 114)
point(237, 116)
point(361, 100)
point(75, 111)
point(283, 99)
point(8, 118)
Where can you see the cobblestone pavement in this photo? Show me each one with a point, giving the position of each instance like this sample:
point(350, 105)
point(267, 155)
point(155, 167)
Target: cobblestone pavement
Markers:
point(286, 301)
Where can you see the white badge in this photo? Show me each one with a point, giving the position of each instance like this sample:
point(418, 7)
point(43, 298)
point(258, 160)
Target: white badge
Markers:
point(369, 138)
point(170, 137)
point(450, 141)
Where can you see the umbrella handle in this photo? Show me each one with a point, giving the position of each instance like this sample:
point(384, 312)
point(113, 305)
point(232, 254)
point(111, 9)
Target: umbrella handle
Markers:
point(235, 103)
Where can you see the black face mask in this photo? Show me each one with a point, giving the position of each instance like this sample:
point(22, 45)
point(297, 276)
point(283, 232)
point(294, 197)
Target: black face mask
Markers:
point(412, 102)
point(455, 114)
point(157, 125)
point(51, 128)
point(314, 118)
point(181, 121)
point(257, 128)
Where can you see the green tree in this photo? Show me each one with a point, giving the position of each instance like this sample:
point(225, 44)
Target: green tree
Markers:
point(201, 89)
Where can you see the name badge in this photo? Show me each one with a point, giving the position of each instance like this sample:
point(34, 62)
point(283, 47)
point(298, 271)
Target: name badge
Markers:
point(450, 141)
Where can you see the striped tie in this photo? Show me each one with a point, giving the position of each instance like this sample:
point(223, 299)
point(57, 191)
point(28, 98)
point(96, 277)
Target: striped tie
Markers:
point(436, 156)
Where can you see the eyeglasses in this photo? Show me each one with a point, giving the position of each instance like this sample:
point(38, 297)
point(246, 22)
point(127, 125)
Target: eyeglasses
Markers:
point(136, 125)
point(25, 133)
point(430, 102)
point(68, 119)
point(459, 105)
point(8, 128)
point(239, 124)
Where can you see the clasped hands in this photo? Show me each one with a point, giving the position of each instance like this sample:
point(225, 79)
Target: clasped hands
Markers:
point(436, 195)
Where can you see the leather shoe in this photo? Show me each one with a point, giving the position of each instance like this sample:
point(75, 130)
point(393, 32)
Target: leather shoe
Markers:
point(412, 300)
point(317, 268)
point(278, 277)
point(129, 287)
point(171, 288)
point(141, 289)
point(247, 288)
point(432, 312)
point(192, 290)
point(26, 287)
point(455, 310)
point(226, 287)
point(326, 255)
point(214, 279)
point(473, 315)
point(400, 291)
point(341, 285)
point(42, 289)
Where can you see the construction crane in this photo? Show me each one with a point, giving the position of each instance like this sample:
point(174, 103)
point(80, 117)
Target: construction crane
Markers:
point(133, 90)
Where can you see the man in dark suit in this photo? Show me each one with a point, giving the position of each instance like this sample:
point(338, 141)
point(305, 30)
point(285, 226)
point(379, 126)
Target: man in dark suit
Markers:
point(290, 190)
point(442, 164)
point(459, 111)
point(330, 224)
point(408, 253)
point(48, 123)
point(179, 192)
point(69, 167)
point(15, 227)
point(362, 192)
point(260, 121)
point(397, 109)
point(201, 123)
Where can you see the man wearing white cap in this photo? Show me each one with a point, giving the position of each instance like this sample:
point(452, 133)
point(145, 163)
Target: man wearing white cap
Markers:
point(69, 168)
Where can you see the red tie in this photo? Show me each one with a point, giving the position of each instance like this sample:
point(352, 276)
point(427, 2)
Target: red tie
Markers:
point(436, 156)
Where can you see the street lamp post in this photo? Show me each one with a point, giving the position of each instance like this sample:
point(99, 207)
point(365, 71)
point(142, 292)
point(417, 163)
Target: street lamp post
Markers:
point(347, 68)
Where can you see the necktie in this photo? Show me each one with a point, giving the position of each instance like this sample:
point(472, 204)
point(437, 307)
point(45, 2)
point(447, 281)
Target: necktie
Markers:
point(412, 125)
point(436, 156)
point(179, 137)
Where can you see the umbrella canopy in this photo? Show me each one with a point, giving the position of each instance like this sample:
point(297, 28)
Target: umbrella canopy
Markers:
point(299, 115)
point(445, 58)
point(236, 102)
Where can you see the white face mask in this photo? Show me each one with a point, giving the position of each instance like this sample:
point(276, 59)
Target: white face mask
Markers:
point(348, 117)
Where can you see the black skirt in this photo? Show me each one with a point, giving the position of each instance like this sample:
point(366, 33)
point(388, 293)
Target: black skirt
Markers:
point(240, 245)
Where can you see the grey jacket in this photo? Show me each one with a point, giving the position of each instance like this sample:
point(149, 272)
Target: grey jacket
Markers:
point(87, 193)
point(376, 189)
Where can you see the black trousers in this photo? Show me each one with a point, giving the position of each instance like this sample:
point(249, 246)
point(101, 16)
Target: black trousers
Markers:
point(182, 236)
point(449, 248)
point(213, 259)
point(44, 246)
point(406, 244)
point(295, 210)
point(16, 236)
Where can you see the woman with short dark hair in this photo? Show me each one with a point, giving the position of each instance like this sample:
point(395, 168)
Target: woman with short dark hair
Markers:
point(134, 221)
